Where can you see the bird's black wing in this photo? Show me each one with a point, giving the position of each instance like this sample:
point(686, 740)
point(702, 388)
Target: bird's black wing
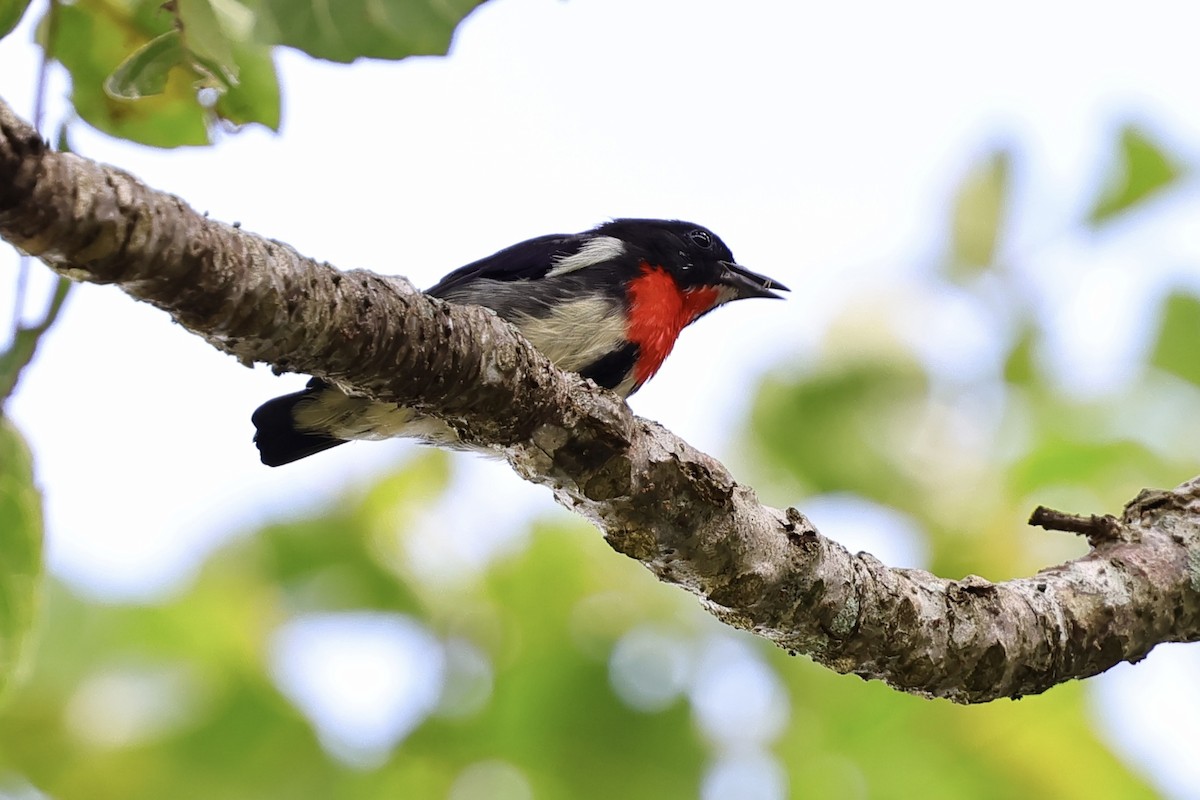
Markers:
point(524, 261)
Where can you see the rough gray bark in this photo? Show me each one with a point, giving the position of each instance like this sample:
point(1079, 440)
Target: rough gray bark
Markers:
point(656, 499)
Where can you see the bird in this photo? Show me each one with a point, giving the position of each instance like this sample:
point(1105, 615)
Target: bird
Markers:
point(607, 303)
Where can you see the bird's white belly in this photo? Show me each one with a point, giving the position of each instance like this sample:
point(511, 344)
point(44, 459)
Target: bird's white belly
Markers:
point(349, 417)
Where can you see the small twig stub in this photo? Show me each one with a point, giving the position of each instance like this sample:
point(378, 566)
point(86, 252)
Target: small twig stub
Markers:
point(1097, 528)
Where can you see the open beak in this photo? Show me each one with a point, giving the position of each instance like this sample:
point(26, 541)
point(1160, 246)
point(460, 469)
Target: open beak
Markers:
point(747, 284)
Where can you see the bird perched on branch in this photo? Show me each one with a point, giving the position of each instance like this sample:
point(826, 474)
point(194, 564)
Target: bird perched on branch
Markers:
point(607, 304)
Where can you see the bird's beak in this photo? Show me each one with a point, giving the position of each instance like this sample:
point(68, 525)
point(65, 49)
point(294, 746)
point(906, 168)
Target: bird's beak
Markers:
point(748, 284)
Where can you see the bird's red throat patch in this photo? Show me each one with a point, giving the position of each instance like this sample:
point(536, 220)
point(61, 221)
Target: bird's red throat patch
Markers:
point(658, 311)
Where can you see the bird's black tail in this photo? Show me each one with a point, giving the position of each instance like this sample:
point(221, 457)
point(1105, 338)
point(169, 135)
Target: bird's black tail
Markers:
point(278, 440)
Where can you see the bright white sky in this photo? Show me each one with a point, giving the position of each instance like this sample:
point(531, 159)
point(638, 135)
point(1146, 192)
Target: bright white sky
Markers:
point(820, 140)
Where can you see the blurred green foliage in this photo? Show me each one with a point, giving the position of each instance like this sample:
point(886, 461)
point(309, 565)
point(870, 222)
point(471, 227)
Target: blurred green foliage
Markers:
point(20, 551)
point(853, 739)
point(868, 404)
point(1140, 168)
point(545, 618)
point(977, 214)
point(179, 700)
point(392, 29)
point(167, 73)
point(11, 12)
point(1175, 349)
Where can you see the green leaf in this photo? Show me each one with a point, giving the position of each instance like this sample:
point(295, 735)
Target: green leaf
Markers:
point(1140, 168)
point(255, 98)
point(11, 12)
point(206, 41)
point(352, 29)
point(145, 71)
point(1177, 349)
point(92, 38)
point(978, 214)
point(21, 547)
point(1020, 368)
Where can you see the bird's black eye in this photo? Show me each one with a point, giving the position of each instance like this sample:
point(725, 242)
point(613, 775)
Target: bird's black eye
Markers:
point(701, 238)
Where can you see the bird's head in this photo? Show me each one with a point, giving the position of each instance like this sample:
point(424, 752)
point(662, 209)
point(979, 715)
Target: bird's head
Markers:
point(673, 273)
point(700, 266)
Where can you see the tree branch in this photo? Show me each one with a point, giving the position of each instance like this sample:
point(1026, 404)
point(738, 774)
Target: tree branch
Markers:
point(656, 499)
point(1097, 529)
